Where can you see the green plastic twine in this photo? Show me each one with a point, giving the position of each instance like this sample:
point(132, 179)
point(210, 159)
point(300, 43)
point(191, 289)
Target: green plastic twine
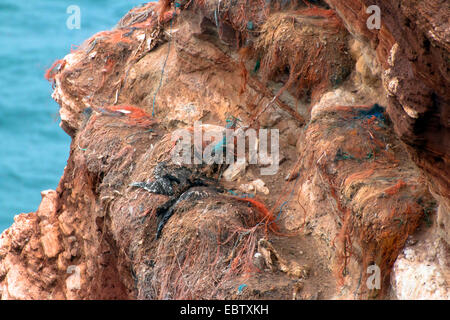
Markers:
point(162, 71)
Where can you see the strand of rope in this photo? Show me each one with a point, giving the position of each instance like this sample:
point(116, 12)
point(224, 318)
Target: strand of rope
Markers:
point(267, 219)
point(162, 70)
point(287, 201)
point(281, 207)
point(217, 14)
point(294, 171)
point(82, 149)
point(277, 95)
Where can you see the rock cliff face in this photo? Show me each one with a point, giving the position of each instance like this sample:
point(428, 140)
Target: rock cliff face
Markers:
point(358, 186)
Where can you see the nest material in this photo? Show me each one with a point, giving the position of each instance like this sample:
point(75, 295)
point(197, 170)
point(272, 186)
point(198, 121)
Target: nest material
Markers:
point(204, 249)
point(378, 198)
point(308, 46)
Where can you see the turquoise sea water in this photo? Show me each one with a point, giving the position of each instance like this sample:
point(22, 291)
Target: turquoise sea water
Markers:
point(33, 149)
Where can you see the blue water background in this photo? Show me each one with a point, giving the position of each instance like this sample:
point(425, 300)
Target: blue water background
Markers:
point(33, 148)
